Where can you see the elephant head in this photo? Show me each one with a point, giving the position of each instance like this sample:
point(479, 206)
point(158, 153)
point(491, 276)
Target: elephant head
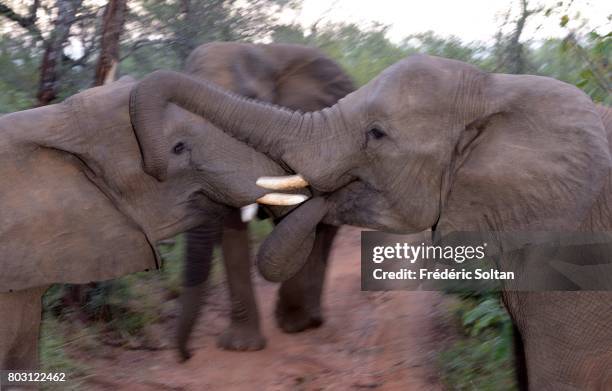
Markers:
point(429, 142)
point(77, 166)
point(293, 76)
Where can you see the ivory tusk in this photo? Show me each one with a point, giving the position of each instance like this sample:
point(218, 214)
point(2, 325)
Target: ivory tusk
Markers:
point(282, 199)
point(287, 182)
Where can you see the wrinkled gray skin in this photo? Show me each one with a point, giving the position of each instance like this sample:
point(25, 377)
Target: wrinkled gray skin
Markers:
point(296, 77)
point(76, 205)
point(437, 142)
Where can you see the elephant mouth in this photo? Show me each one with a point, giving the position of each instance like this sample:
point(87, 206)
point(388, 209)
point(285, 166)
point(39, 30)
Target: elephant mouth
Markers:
point(285, 251)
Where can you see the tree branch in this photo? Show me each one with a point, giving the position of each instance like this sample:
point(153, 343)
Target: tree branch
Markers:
point(27, 22)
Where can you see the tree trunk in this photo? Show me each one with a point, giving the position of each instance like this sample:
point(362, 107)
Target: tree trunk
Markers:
point(186, 36)
point(54, 47)
point(112, 27)
point(516, 57)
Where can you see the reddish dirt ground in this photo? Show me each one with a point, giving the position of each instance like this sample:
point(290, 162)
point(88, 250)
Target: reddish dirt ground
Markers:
point(370, 340)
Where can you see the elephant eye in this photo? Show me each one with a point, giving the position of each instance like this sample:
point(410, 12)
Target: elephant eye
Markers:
point(376, 133)
point(179, 148)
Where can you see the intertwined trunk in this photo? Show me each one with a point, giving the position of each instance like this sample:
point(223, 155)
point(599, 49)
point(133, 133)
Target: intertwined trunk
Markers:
point(267, 128)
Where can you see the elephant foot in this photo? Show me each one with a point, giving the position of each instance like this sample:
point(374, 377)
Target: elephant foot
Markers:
point(296, 319)
point(241, 338)
point(184, 354)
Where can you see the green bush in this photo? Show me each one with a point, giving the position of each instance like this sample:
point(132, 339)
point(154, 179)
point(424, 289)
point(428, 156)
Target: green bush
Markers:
point(482, 359)
point(54, 357)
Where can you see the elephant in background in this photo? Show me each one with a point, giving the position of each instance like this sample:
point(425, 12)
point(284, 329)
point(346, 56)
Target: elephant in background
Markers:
point(76, 205)
point(292, 76)
point(438, 143)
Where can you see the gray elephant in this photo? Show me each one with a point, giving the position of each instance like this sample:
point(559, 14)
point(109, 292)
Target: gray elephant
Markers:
point(296, 77)
point(76, 205)
point(437, 143)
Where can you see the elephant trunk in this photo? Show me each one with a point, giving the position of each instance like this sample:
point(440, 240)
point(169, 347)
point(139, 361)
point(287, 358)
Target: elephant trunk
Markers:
point(286, 249)
point(269, 129)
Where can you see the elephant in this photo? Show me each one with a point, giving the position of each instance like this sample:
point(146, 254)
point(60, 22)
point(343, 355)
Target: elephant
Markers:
point(434, 143)
point(293, 76)
point(76, 205)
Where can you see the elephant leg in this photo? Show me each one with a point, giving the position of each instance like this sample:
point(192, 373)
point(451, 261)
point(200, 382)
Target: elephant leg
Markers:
point(199, 254)
point(520, 361)
point(566, 337)
point(244, 331)
point(299, 299)
point(21, 313)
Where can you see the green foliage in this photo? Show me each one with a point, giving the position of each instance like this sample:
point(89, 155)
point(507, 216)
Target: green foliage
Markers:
point(165, 32)
point(564, 21)
point(18, 73)
point(54, 357)
point(583, 62)
point(172, 268)
point(128, 304)
point(259, 229)
point(488, 313)
point(363, 53)
point(160, 34)
point(581, 58)
point(451, 47)
point(482, 358)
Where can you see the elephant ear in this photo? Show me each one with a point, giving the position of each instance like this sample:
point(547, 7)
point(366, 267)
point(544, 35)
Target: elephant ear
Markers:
point(58, 224)
point(307, 80)
point(238, 67)
point(534, 160)
point(58, 227)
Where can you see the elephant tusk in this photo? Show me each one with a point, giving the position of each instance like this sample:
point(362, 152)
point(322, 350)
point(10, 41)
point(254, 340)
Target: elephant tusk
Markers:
point(281, 199)
point(287, 182)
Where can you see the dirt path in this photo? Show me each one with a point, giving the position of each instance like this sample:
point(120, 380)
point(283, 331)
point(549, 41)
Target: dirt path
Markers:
point(381, 341)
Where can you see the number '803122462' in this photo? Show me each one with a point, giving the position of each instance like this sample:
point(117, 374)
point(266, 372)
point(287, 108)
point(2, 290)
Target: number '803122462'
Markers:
point(20, 377)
